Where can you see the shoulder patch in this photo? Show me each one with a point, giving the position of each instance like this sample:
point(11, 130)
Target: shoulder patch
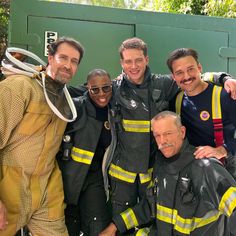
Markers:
point(204, 115)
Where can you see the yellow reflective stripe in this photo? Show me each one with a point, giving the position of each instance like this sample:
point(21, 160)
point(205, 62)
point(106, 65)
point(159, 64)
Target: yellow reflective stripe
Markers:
point(228, 201)
point(216, 106)
point(178, 102)
point(165, 214)
point(119, 173)
point(129, 218)
point(144, 178)
point(139, 126)
point(143, 232)
point(81, 155)
point(185, 225)
point(208, 76)
point(151, 184)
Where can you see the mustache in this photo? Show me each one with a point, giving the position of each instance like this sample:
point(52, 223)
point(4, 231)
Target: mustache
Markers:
point(166, 145)
point(187, 80)
point(66, 70)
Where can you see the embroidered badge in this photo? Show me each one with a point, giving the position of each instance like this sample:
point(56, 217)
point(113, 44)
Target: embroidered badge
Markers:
point(204, 115)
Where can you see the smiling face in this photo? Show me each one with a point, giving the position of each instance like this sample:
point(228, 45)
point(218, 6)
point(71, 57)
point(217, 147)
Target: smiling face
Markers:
point(63, 65)
point(100, 89)
point(168, 135)
point(134, 64)
point(186, 72)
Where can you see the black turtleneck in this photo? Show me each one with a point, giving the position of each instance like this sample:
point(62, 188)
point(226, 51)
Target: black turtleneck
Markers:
point(104, 139)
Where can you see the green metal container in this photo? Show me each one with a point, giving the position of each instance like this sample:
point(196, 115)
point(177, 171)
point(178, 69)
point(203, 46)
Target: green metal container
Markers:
point(34, 24)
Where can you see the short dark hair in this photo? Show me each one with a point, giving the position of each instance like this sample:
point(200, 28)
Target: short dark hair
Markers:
point(52, 49)
point(97, 72)
point(133, 43)
point(179, 53)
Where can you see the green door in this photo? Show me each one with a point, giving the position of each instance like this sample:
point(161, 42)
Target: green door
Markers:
point(162, 40)
point(100, 40)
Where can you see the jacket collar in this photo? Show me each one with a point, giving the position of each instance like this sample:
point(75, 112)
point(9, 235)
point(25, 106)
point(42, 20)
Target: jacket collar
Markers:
point(182, 159)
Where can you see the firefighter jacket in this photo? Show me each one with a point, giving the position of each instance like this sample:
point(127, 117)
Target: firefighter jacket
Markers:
point(188, 197)
point(30, 136)
point(76, 156)
point(137, 104)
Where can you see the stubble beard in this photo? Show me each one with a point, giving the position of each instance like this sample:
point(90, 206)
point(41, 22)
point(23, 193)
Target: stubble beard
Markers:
point(61, 80)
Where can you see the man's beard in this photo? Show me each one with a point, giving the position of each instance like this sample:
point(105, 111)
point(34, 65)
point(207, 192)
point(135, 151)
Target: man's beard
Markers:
point(61, 80)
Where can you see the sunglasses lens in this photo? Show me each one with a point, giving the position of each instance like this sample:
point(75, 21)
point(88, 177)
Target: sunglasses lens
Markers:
point(106, 89)
point(95, 90)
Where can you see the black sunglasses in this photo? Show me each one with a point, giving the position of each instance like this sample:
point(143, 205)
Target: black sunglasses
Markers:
point(105, 89)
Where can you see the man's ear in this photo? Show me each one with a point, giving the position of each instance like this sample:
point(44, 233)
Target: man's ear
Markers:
point(172, 76)
point(49, 58)
point(183, 131)
point(199, 67)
